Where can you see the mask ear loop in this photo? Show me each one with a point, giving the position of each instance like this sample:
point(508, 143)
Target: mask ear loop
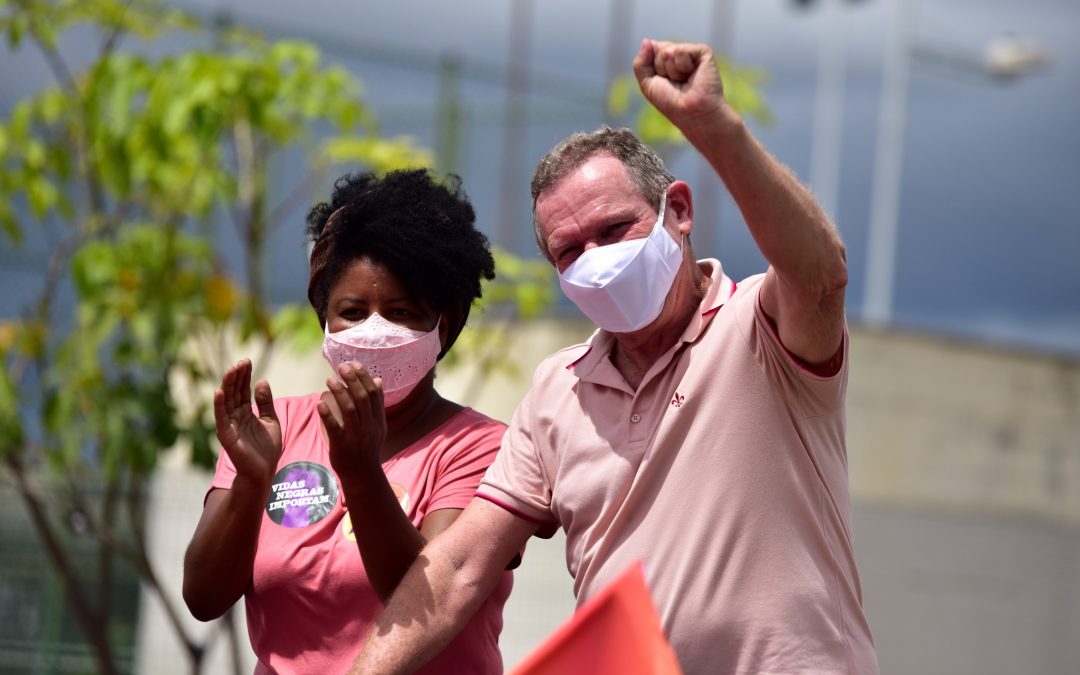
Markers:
point(663, 209)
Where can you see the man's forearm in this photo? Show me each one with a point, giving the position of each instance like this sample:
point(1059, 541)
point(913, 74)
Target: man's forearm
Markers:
point(790, 228)
point(428, 609)
point(454, 575)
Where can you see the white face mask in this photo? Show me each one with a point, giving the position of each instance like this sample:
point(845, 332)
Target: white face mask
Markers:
point(399, 355)
point(622, 286)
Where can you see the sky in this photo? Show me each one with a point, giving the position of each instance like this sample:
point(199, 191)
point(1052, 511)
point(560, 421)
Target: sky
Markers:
point(989, 203)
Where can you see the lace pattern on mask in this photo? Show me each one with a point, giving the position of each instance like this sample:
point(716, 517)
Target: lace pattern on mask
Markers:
point(398, 355)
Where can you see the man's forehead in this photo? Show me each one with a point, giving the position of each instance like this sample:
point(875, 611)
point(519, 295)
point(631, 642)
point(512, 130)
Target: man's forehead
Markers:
point(601, 166)
point(599, 175)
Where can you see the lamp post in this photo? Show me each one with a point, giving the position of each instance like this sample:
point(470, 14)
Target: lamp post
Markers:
point(1003, 59)
point(828, 120)
point(888, 165)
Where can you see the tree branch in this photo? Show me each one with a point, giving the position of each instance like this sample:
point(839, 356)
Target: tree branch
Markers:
point(136, 503)
point(297, 196)
point(93, 624)
point(105, 545)
point(64, 75)
point(112, 38)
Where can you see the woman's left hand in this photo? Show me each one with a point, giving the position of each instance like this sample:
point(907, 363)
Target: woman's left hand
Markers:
point(355, 422)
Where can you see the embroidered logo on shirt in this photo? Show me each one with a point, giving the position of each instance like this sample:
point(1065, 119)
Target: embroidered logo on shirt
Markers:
point(302, 494)
point(678, 400)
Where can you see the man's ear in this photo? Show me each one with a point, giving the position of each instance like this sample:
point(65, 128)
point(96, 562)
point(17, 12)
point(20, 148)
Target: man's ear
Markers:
point(680, 206)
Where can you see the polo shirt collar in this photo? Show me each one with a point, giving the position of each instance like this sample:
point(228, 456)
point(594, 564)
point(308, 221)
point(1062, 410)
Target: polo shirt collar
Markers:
point(721, 288)
point(594, 365)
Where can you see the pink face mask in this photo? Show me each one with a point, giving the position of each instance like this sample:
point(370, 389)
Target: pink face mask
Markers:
point(399, 355)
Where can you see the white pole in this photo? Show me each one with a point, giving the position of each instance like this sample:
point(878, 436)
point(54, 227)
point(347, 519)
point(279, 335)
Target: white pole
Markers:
point(888, 167)
point(828, 131)
point(707, 194)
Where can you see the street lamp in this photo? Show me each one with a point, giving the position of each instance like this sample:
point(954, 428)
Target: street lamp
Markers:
point(1004, 58)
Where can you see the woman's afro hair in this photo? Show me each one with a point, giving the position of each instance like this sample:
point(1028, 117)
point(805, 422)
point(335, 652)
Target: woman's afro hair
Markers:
point(421, 228)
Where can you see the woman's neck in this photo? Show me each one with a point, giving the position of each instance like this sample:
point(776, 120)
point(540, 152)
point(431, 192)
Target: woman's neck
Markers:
point(422, 411)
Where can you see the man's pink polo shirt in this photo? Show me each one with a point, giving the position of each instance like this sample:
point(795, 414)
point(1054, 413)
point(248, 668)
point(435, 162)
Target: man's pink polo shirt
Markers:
point(725, 473)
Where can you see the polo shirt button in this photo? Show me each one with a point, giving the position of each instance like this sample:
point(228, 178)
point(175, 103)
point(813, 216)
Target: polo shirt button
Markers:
point(635, 418)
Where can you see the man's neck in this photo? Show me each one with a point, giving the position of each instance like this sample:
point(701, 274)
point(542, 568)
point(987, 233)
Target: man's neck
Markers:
point(634, 353)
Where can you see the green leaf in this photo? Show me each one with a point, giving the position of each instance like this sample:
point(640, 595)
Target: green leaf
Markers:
point(202, 453)
point(42, 196)
point(619, 95)
point(16, 29)
point(380, 155)
point(298, 327)
point(11, 426)
point(8, 222)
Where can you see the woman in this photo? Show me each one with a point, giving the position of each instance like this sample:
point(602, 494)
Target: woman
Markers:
point(321, 502)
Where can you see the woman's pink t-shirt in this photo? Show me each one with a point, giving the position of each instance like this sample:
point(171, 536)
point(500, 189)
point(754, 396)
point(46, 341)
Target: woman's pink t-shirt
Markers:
point(309, 602)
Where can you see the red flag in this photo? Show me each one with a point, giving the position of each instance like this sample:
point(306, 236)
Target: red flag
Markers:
point(616, 632)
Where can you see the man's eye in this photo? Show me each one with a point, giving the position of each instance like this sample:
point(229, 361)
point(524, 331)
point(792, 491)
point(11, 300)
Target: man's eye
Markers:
point(569, 255)
point(616, 228)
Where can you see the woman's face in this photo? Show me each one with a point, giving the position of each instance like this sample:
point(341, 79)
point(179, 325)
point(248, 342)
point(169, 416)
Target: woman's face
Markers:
point(367, 287)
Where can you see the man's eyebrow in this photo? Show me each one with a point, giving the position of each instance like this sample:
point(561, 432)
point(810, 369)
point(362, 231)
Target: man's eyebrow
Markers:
point(554, 243)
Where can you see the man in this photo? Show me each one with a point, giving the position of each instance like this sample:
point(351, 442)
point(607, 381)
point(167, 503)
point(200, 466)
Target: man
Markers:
point(701, 430)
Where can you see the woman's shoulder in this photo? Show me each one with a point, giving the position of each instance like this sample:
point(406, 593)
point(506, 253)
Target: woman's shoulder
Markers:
point(466, 433)
point(473, 422)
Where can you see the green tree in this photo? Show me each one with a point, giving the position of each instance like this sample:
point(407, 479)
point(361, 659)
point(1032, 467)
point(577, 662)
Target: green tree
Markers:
point(131, 166)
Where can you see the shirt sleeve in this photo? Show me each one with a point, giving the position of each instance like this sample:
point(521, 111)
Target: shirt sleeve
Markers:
point(816, 394)
point(462, 468)
point(516, 480)
point(224, 474)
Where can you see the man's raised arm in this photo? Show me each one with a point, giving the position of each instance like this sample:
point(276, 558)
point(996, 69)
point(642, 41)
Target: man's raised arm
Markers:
point(449, 581)
point(804, 289)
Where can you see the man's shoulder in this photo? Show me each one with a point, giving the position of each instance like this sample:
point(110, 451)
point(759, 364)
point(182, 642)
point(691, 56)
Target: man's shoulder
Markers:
point(740, 305)
point(747, 287)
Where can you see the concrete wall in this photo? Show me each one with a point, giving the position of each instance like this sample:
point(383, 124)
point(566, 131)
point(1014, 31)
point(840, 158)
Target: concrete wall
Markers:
point(941, 424)
point(965, 469)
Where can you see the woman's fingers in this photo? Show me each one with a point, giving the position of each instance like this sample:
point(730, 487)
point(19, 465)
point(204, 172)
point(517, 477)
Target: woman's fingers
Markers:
point(236, 387)
point(221, 415)
point(228, 389)
point(327, 408)
point(244, 382)
point(365, 391)
point(264, 400)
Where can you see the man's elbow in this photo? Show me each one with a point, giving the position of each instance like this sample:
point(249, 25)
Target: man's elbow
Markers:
point(834, 278)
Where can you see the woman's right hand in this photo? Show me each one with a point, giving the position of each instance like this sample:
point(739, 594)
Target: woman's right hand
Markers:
point(252, 442)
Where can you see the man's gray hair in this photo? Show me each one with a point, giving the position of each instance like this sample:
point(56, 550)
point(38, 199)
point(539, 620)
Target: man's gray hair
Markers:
point(644, 167)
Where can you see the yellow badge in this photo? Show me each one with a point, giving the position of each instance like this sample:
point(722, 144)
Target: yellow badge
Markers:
point(347, 530)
